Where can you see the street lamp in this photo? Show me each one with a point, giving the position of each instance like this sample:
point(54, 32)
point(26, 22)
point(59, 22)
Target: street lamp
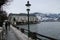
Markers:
point(28, 6)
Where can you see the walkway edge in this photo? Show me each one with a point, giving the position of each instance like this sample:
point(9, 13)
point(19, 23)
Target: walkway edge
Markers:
point(19, 34)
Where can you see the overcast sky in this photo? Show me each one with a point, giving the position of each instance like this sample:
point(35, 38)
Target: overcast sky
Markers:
point(43, 6)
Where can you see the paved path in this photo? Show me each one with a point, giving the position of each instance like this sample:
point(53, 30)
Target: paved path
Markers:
point(11, 35)
point(15, 34)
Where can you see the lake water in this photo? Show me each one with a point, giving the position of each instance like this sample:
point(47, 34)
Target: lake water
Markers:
point(51, 29)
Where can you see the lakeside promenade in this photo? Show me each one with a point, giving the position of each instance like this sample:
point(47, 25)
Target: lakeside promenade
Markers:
point(15, 34)
point(11, 35)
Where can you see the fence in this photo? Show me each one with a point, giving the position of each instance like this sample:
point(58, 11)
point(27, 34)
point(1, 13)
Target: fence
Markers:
point(34, 35)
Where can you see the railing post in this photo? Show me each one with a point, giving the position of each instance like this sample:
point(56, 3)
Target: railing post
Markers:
point(22, 30)
point(17, 27)
point(29, 33)
point(34, 36)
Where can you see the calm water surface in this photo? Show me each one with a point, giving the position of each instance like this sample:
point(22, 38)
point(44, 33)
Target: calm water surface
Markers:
point(51, 29)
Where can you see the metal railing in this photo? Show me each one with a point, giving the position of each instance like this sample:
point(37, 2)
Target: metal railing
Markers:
point(34, 35)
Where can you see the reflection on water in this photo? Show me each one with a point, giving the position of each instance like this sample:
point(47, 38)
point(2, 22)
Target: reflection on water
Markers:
point(51, 29)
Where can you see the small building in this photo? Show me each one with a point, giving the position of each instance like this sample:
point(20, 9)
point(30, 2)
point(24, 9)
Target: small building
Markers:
point(22, 18)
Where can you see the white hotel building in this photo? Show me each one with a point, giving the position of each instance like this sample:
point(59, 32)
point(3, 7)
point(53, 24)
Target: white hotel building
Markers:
point(22, 18)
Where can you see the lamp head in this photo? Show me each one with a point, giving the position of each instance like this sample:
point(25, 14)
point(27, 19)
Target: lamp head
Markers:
point(28, 4)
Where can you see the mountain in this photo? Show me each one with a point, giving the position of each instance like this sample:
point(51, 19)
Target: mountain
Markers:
point(48, 17)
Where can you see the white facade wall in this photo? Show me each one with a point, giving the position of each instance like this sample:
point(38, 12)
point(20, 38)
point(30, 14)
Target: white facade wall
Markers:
point(24, 18)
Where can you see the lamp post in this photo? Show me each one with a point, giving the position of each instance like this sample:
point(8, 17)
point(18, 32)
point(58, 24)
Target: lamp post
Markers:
point(28, 6)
